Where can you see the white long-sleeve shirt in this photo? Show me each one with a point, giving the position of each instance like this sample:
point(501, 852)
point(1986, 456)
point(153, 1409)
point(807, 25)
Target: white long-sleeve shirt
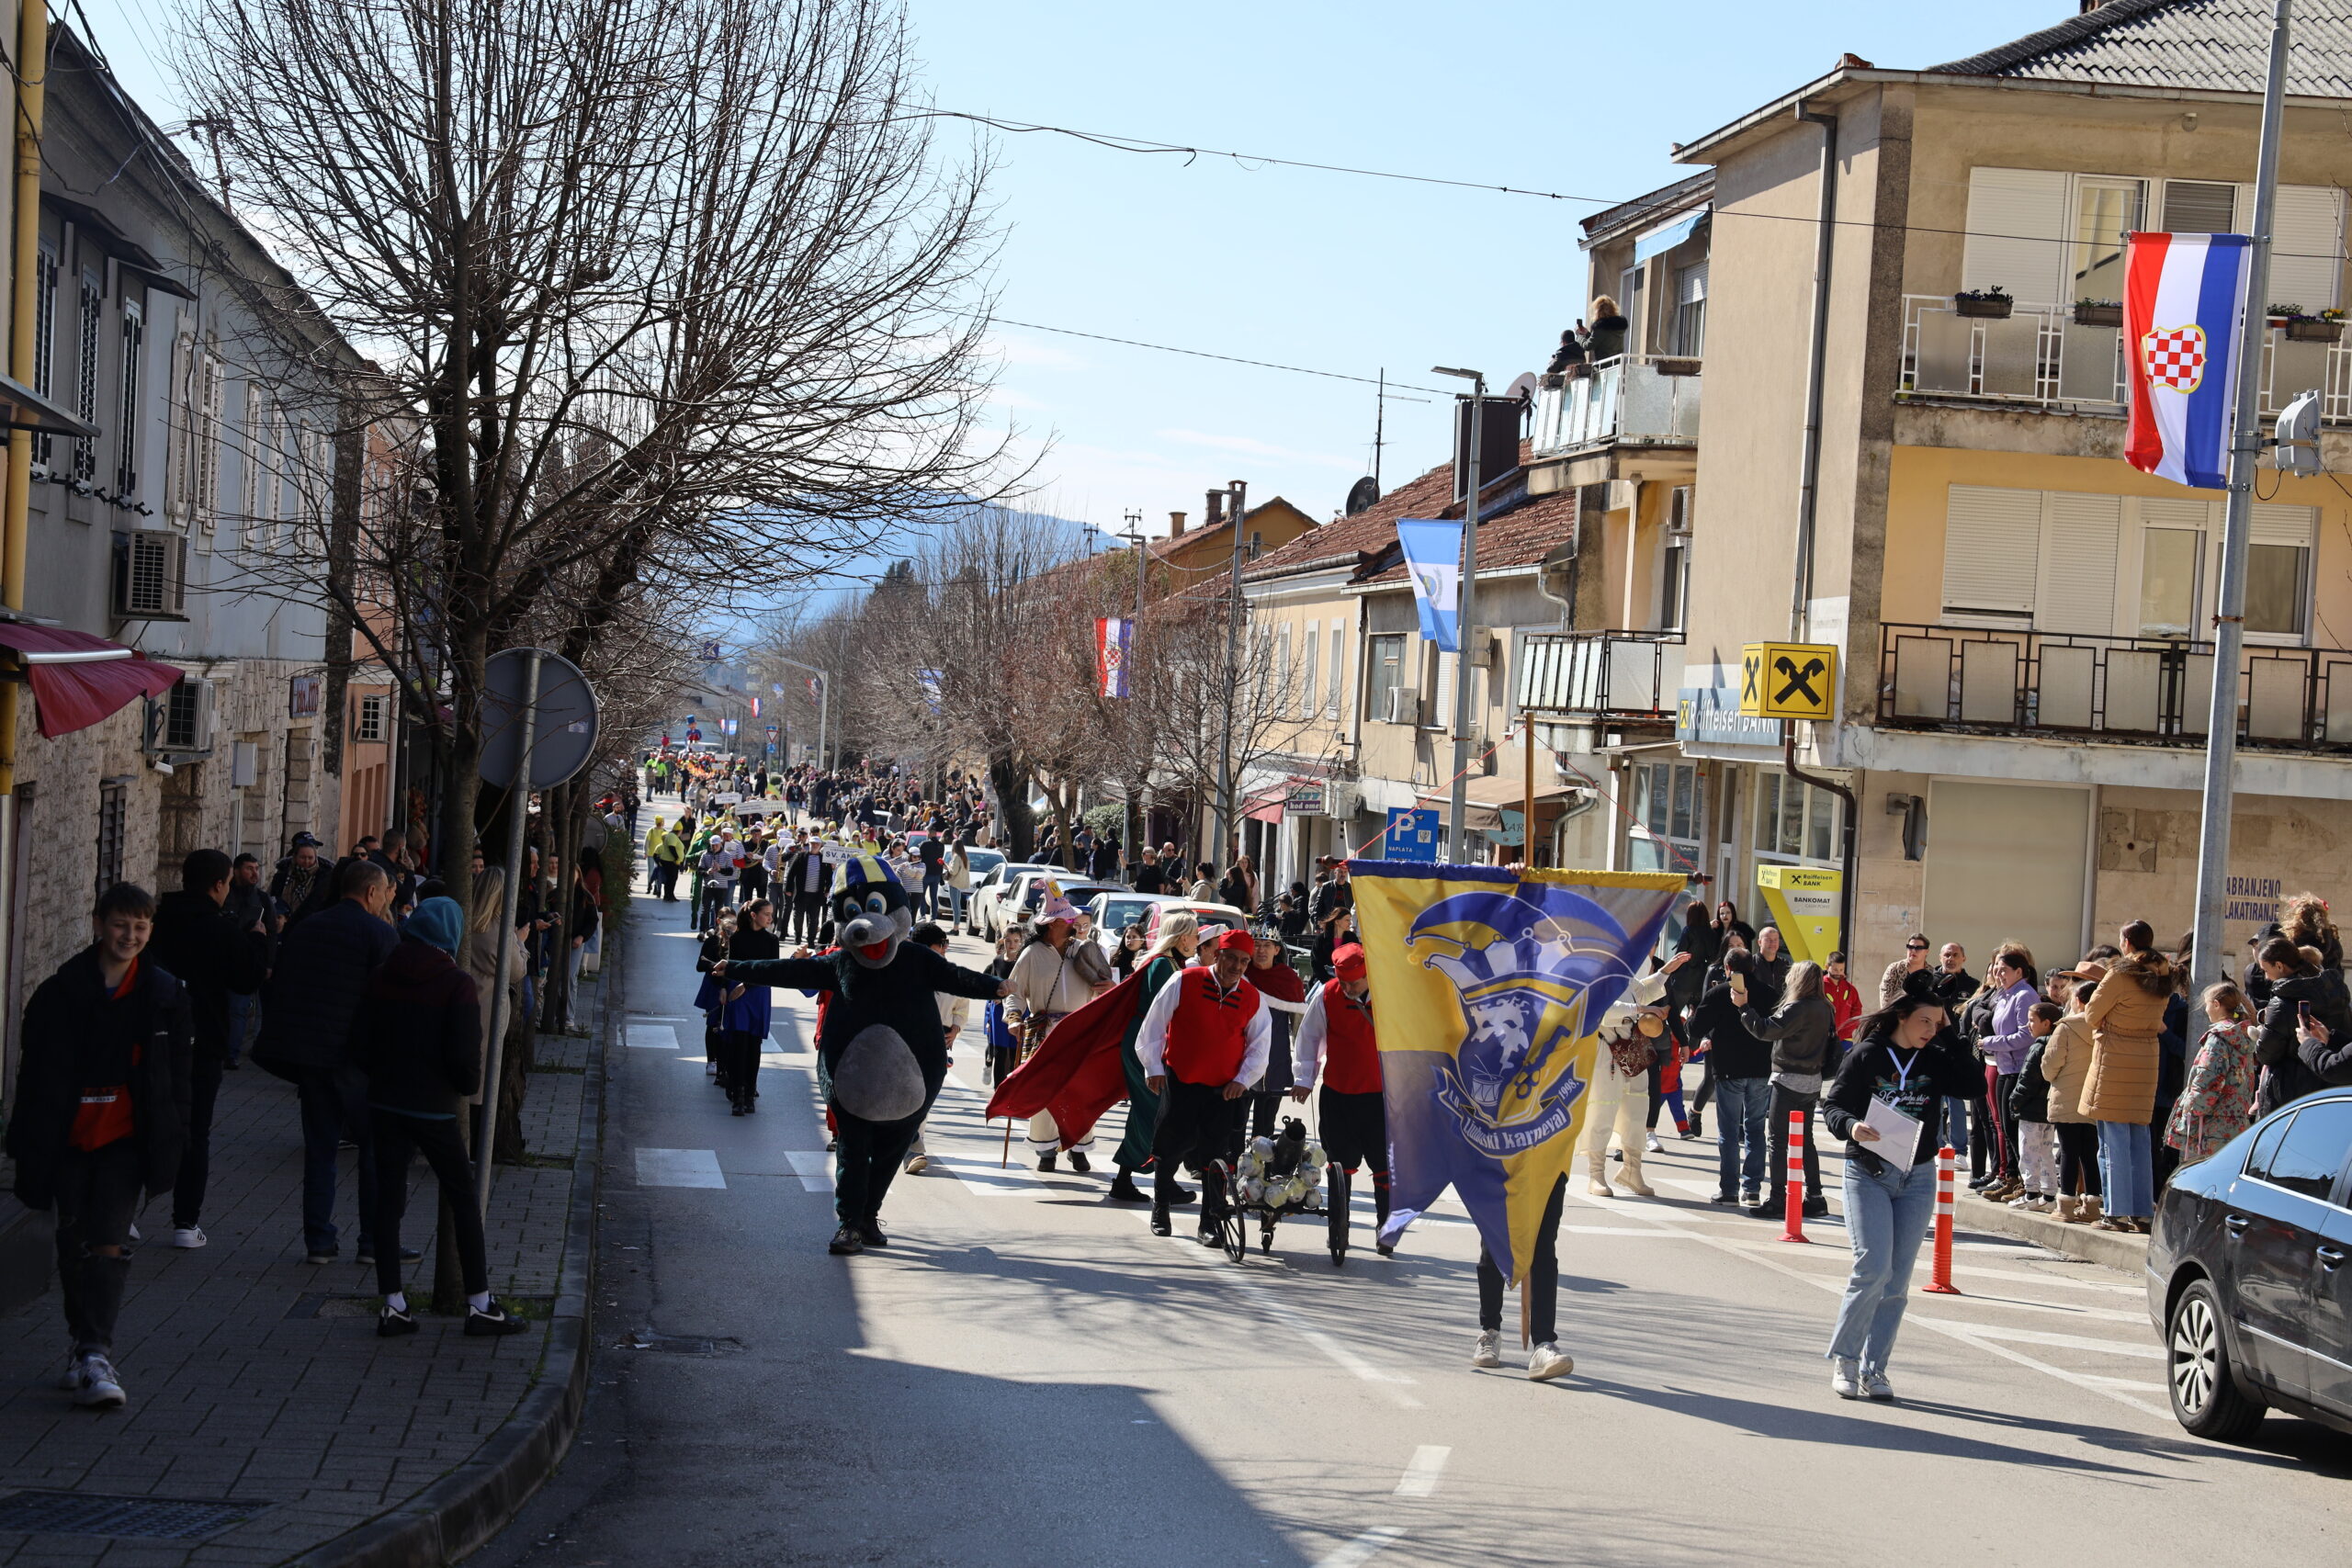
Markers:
point(1151, 1041)
point(1306, 1051)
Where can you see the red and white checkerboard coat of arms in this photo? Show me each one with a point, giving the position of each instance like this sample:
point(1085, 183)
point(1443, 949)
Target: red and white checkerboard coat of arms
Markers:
point(2174, 357)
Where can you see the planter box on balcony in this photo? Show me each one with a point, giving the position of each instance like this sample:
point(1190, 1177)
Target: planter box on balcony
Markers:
point(2312, 330)
point(1983, 310)
point(1675, 367)
point(2099, 315)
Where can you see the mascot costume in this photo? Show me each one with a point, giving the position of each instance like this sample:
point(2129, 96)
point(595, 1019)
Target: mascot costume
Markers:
point(881, 1042)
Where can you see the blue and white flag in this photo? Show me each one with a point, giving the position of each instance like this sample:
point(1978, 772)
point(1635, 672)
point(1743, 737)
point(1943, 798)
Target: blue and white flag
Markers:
point(1433, 561)
point(2181, 295)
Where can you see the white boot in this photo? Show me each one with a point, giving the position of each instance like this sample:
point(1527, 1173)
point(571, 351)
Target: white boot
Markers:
point(1632, 1176)
point(1597, 1163)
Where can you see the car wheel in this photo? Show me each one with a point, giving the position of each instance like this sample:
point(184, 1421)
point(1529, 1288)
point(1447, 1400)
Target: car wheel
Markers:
point(2208, 1399)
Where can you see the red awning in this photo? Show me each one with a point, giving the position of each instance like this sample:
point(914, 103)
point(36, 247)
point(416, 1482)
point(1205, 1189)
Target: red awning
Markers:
point(78, 679)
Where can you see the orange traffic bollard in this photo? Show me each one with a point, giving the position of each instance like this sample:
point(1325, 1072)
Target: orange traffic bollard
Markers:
point(1793, 1217)
point(1939, 1279)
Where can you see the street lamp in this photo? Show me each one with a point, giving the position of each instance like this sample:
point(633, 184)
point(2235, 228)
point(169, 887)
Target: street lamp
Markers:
point(1465, 630)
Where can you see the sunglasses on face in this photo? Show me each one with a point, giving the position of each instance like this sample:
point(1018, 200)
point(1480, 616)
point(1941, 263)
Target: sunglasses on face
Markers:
point(1917, 947)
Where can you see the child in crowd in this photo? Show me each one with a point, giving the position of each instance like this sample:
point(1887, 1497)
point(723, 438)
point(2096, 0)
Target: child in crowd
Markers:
point(2216, 1102)
point(2029, 1103)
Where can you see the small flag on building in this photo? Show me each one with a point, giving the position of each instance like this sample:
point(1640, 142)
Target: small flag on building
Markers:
point(816, 688)
point(1113, 640)
point(1432, 550)
point(2181, 294)
point(930, 681)
point(756, 707)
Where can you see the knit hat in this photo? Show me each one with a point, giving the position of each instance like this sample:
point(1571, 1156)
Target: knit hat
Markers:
point(438, 921)
point(1347, 960)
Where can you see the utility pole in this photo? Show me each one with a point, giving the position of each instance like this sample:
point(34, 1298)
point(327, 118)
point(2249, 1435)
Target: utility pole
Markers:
point(2210, 960)
point(1465, 622)
point(1227, 827)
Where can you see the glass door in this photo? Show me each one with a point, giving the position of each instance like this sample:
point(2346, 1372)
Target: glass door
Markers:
point(2172, 567)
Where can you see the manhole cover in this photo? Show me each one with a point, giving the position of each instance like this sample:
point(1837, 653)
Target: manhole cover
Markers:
point(679, 1344)
point(146, 1519)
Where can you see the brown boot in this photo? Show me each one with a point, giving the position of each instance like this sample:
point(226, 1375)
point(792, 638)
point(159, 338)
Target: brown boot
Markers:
point(1597, 1163)
point(1631, 1177)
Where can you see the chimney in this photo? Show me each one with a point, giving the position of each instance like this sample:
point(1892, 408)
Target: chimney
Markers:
point(1214, 514)
point(1175, 524)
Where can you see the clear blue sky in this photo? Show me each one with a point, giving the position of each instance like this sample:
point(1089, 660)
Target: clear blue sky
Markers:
point(1326, 271)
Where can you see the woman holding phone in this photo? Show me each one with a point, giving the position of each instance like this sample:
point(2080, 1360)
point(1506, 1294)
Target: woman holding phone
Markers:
point(1896, 1064)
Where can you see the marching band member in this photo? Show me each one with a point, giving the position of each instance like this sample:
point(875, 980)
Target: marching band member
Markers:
point(1336, 1039)
point(1202, 1045)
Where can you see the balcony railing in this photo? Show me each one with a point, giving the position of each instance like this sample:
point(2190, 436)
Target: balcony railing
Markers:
point(2155, 690)
point(1639, 397)
point(2040, 357)
point(1601, 674)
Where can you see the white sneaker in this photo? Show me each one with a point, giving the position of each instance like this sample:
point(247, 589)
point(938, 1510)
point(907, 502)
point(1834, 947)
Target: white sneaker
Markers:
point(1845, 1381)
point(1656, 1147)
point(1488, 1351)
point(190, 1238)
point(99, 1388)
point(1548, 1362)
point(1875, 1384)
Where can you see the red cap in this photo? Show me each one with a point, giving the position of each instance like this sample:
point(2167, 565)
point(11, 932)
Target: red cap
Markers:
point(1237, 942)
point(1347, 960)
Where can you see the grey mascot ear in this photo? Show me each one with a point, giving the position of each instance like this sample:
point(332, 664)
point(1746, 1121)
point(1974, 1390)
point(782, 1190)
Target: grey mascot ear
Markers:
point(877, 1078)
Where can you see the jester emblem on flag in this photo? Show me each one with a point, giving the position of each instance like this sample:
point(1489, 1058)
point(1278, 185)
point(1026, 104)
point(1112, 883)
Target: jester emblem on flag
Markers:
point(2174, 357)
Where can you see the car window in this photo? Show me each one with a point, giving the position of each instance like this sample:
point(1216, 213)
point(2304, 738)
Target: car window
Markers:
point(2266, 1144)
point(2312, 1151)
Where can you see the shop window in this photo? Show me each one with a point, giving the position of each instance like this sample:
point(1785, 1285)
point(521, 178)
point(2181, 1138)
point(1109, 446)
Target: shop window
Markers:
point(1668, 813)
point(1796, 820)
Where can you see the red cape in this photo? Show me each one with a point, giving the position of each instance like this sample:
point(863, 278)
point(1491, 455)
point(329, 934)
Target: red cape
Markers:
point(1077, 1074)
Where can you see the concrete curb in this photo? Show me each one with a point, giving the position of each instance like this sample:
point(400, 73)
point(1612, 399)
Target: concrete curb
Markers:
point(463, 1509)
point(2110, 1249)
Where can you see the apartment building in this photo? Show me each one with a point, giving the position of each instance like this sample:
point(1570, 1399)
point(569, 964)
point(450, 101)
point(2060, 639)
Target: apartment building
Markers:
point(2023, 619)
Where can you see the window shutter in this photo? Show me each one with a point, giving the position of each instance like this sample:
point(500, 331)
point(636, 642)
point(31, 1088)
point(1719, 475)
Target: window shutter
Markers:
point(2079, 546)
point(2163, 512)
point(1337, 674)
point(1992, 550)
point(1443, 718)
point(2016, 227)
point(2201, 207)
point(2307, 247)
point(2277, 525)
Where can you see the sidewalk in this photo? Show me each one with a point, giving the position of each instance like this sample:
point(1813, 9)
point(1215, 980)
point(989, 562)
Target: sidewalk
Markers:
point(266, 1421)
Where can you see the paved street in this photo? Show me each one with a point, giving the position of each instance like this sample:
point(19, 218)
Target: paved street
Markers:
point(1026, 1376)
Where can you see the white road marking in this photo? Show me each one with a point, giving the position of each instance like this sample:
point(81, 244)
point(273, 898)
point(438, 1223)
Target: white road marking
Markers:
point(2139, 1351)
point(814, 1166)
point(1300, 1324)
point(1420, 1474)
point(678, 1167)
point(656, 1018)
point(986, 1178)
point(1363, 1550)
point(652, 1036)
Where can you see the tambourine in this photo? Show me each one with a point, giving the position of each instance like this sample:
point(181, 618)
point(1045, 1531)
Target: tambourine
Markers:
point(1649, 1024)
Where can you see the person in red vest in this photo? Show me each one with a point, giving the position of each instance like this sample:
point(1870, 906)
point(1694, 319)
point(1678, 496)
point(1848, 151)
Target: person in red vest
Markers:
point(1336, 1039)
point(1202, 1045)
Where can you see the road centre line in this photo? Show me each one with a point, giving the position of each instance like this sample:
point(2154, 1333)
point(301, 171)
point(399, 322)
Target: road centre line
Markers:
point(1422, 1470)
point(1362, 1549)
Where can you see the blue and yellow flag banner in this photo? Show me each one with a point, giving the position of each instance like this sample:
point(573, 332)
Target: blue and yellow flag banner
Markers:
point(1488, 987)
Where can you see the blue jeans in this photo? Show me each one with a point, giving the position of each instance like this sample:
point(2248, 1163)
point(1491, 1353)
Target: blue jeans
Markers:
point(1742, 1106)
point(2125, 1172)
point(241, 1013)
point(1886, 1219)
point(1956, 1124)
point(933, 882)
point(334, 1106)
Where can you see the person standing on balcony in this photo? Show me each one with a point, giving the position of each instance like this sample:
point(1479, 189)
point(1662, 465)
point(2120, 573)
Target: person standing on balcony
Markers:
point(1605, 337)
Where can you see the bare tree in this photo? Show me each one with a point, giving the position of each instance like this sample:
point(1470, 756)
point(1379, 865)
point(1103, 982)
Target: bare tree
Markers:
point(665, 287)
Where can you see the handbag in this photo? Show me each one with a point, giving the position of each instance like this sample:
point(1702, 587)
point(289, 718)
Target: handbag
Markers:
point(1633, 1056)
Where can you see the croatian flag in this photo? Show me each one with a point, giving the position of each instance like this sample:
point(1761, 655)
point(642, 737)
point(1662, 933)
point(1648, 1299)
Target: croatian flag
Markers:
point(2181, 295)
point(816, 688)
point(1113, 641)
point(756, 707)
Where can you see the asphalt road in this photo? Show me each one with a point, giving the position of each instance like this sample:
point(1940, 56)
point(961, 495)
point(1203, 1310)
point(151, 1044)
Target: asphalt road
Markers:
point(1028, 1377)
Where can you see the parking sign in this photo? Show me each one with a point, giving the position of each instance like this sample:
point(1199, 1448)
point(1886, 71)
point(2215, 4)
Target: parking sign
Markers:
point(1412, 834)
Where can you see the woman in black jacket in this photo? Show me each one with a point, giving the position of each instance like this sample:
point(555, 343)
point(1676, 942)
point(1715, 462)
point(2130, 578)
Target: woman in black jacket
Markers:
point(743, 1026)
point(2295, 983)
point(1799, 1032)
point(1900, 1062)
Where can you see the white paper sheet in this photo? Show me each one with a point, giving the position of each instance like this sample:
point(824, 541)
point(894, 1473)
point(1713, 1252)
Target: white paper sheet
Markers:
point(1898, 1135)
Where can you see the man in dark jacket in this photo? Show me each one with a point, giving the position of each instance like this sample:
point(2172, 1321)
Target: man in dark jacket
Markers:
point(198, 941)
point(806, 876)
point(314, 993)
point(249, 903)
point(1742, 1067)
point(100, 1113)
point(419, 1042)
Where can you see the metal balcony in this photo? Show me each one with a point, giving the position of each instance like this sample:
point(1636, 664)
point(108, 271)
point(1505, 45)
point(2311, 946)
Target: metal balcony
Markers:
point(1601, 674)
point(2140, 690)
point(1648, 398)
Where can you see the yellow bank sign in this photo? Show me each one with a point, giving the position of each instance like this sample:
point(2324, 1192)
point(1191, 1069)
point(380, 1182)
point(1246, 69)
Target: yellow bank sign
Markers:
point(1789, 680)
point(1804, 903)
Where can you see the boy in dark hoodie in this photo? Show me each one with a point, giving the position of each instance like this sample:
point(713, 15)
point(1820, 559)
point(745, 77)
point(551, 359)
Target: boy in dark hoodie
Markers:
point(420, 1043)
point(214, 948)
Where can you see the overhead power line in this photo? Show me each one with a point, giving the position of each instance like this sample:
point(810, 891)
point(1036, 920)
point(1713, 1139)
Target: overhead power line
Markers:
point(1228, 359)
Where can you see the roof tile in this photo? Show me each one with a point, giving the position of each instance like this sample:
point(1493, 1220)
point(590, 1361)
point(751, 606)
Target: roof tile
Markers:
point(2208, 45)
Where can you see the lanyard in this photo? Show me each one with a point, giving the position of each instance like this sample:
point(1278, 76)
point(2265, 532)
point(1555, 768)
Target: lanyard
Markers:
point(1902, 1070)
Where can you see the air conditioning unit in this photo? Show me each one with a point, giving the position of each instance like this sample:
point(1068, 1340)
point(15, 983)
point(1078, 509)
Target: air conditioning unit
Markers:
point(1678, 511)
point(150, 575)
point(1404, 705)
point(180, 721)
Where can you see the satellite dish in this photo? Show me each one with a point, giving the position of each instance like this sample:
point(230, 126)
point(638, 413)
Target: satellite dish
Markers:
point(1525, 387)
point(1362, 495)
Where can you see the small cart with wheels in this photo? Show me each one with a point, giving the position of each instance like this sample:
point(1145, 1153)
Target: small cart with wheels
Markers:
point(1273, 1178)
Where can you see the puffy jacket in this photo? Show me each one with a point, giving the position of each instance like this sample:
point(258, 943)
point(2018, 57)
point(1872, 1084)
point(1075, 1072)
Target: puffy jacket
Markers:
point(2030, 1096)
point(75, 1034)
point(420, 1036)
point(1799, 1032)
point(2286, 1074)
point(2127, 1014)
point(1735, 1053)
point(2066, 1064)
point(202, 944)
point(323, 969)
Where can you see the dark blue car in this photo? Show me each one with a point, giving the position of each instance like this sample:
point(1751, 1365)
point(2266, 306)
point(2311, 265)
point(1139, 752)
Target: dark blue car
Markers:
point(2248, 1275)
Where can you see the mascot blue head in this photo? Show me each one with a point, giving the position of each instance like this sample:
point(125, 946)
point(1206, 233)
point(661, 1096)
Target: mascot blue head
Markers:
point(871, 914)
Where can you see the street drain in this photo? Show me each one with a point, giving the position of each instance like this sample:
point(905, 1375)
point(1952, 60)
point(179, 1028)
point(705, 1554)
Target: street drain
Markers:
point(144, 1518)
point(679, 1344)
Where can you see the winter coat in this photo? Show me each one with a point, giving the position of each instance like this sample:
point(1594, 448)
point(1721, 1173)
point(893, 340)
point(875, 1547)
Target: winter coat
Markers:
point(2009, 1036)
point(1605, 338)
point(2127, 1014)
point(75, 1036)
point(481, 963)
point(420, 1036)
point(2286, 1076)
point(323, 969)
point(2216, 1101)
point(202, 944)
point(1799, 1032)
point(2030, 1096)
point(1735, 1053)
point(1869, 1072)
point(2066, 1065)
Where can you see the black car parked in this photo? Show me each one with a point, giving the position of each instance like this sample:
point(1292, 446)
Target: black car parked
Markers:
point(2247, 1280)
